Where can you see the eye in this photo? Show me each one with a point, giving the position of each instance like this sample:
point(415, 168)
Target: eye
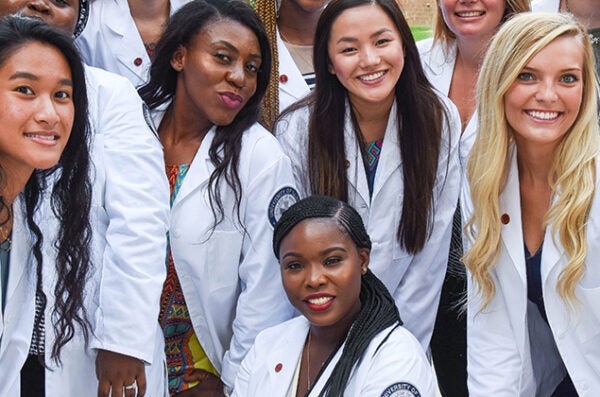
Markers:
point(525, 76)
point(24, 90)
point(293, 266)
point(62, 95)
point(223, 57)
point(381, 42)
point(569, 79)
point(252, 68)
point(332, 260)
point(348, 50)
point(62, 3)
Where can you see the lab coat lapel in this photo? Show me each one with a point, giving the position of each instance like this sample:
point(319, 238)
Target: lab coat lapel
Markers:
point(357, 177)
point(510, 216)
point(389, 159)
point(200, 169)
point(285, 358)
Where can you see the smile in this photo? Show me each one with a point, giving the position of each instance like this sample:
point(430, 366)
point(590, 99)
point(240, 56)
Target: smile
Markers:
point(42, 137)
point(542, 115)
point(371, 77)
point(470, 14)
point(320, 301)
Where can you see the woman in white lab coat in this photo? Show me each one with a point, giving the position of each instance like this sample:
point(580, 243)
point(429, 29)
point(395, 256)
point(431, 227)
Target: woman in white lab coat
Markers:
point(291, 26)
point(113, 41)
point(349, 340)
point(533, 323)
point(230, 182)
point(375, 134)
point(43, 152)
point(451, 61)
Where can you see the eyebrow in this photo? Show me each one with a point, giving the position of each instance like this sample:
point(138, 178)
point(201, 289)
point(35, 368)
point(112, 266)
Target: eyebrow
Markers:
point(325, 252)
point(234, 48)
point(353, 39)
point(573, 69)
point(30, 76)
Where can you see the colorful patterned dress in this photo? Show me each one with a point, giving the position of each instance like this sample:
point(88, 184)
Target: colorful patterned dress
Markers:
point(182, 347)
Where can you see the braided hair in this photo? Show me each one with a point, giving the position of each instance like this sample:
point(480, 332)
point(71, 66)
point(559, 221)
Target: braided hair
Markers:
point(378, 309)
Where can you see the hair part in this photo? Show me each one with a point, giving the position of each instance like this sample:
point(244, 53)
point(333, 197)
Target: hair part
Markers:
point(70, 198)
point(225, 148)
point(573, 174)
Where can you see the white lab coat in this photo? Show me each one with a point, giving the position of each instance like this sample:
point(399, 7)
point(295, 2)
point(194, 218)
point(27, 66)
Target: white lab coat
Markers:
point(129, 217)
point(545, 5)
point(439, 67)
point(415, 281)
point(292, 87)
point(111, 40)
point(393, 357)
point(498, 345)
point(229, 276)
point(16, 324)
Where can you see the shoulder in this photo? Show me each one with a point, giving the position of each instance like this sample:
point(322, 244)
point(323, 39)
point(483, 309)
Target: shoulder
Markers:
point(294, 124)
point(273, 335)
point(425, 46)
point(101, 80)
point(258, 141)
point(545, 5)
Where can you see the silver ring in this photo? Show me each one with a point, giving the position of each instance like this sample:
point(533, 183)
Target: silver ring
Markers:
point(131, 386)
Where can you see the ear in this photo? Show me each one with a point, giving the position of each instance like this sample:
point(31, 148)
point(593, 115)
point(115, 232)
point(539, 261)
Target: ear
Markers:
point(178, 58)
point(330, 68)
point(364, 255)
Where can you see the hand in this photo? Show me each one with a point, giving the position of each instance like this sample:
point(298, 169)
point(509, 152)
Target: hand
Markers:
point(115, 371)
point(209, 386)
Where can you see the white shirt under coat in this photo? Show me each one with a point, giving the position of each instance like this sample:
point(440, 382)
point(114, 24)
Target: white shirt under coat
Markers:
point(111, 40)
point(393, 361)
point(229, 276)
point(499, 359)
point(415, 281)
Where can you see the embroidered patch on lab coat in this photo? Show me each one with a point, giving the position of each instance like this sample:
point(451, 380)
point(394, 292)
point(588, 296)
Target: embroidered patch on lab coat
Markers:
point(281, 201)
point(401, 389)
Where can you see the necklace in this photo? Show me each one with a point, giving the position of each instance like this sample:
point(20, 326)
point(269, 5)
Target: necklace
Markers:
point(6, 244)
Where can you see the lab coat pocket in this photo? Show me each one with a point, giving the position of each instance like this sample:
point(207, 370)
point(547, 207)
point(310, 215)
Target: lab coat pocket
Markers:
point(223, 258)
point(588, 321)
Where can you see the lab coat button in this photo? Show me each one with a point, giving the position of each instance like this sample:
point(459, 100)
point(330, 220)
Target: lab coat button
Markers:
point(278, 367)
point(283, 78)
point(137, 61)
point(505, 218)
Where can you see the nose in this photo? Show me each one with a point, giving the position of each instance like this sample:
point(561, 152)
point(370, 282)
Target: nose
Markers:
point(46, 113)
point(236, 75)
point(546, 92)
point(316, 277)
point(40, 6)
point(369, 58)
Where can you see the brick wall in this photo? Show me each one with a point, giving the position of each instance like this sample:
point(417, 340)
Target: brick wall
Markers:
point(418, 12)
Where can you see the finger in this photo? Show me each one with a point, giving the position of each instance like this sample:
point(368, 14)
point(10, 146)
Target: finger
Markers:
point(103, 388)
point(118, 389)
point(196, 375)
point(141, 383)
point(130, 388)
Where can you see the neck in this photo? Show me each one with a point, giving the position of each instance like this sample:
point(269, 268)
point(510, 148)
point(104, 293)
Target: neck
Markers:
point(149, 9)
point(296, 25)
point(534, 162)
point(333, 335)
point(471, 52)
point(372, 118)
point(181, 125)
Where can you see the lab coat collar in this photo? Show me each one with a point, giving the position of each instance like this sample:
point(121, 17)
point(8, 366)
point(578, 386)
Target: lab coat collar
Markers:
point(295, 85)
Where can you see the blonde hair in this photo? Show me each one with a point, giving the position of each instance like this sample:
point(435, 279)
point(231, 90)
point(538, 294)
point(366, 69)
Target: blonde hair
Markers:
point(573, 173)
point(267, 11)
point(443, 34)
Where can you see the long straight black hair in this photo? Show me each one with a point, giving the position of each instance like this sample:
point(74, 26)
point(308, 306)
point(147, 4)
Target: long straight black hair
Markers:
point(225, 149)
point(420, 114)
point(70, 186)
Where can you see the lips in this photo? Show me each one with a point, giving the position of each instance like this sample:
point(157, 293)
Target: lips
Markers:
point(319, 302)
point(372, 76)
point(48, 139)
point(470, 14)
point(231, 100)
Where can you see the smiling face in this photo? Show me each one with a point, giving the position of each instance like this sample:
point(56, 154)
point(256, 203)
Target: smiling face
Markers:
point(366, 54)
point(37, 108)
point(321, 269)
point(61, 14)
point(474, 18)
point(218, 72)
point(544, 101)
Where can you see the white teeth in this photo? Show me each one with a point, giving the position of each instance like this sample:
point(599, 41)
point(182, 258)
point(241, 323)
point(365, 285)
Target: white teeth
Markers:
point(543, 115)
point(371, 77)
point(320, 301)
point(470, 14)
point(44, 137)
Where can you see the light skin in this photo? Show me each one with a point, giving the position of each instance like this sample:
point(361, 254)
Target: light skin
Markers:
point(218, 75)
point(36, 98)
point(474, 23)
point(321, 270)
point(114, 370)
point(366, 55)
point(541, 106)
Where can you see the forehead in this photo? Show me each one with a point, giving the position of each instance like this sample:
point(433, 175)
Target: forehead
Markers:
point(227, 30)
point(362, 20)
